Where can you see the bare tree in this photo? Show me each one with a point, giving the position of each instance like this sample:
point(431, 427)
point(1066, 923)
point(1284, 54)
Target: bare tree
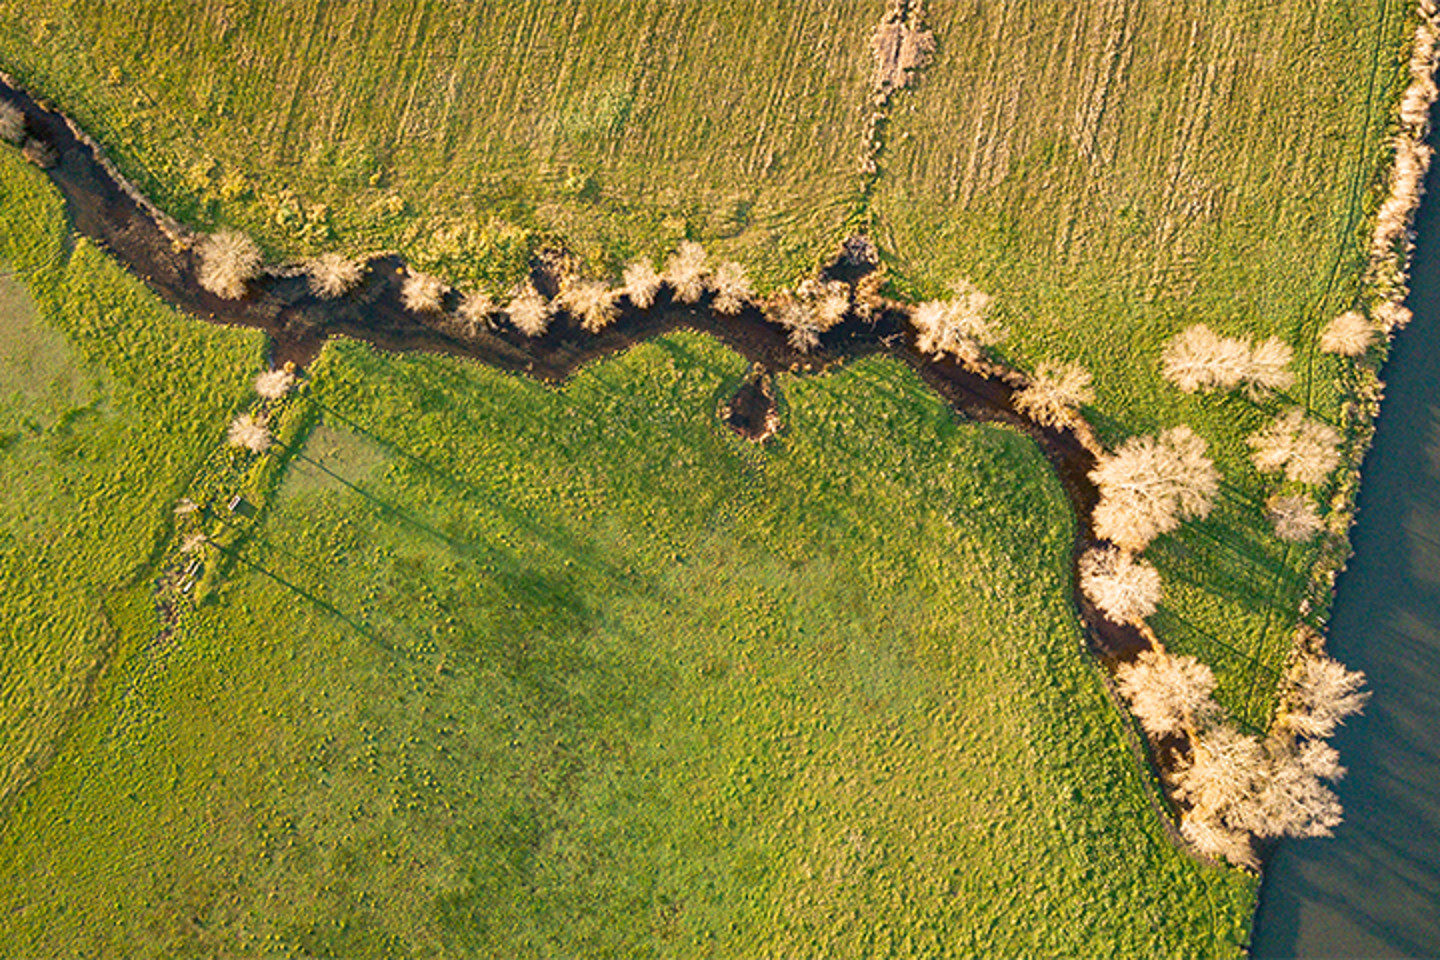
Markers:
point(12, 123)
point(1150, 484)
point(592, 302)
point(1199, 359)
point(687, 273)
point(960, 326)
point(529, 311)
point(193, 542)
point(1222, 772)
point(422, 293)
point(1125, 589)
point(1305, 449)
point(1392, 316)
point(332, 275)
point(1348, 335)
point(1055, 394)
point(1294, 518)
point(1288, 799)
point(477, 312)
point(641, 283)
point(249, 432)
point(732, 288)
point(228, 260)
point(274, 384)
point(1219, 842)
point(1168, 695)
point(1319, 694)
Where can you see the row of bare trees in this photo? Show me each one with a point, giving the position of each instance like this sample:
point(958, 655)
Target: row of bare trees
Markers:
point(1237, 786)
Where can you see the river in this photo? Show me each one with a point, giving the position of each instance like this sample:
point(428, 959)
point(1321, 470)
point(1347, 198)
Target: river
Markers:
point(1373, 890)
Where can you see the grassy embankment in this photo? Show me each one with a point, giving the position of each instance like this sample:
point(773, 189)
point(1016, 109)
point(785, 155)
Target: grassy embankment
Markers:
point(108, 402)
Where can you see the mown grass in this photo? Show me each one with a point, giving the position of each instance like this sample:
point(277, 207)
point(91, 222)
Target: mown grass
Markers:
point(108, 400)
point(576, 672)
point(465, 135)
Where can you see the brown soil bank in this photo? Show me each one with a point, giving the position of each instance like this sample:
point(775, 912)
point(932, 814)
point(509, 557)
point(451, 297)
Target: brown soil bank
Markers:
point(113, 214)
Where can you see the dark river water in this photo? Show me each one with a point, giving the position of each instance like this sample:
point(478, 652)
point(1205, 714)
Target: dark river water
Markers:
point(1373, 890)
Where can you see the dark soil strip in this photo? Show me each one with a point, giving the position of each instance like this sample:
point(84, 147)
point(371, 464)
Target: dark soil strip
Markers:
point(114, 215)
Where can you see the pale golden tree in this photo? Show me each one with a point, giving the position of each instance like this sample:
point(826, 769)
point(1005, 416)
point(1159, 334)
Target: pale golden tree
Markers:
point(957, 327)
point(477, 312)
point(228, 260)
point(1168, 695)
point(642, 282)
point(1268, 368)
point(1319, 694)
point(1392, 316)
point(687, 273)
point(274, 384)
point(249, 432)
point(1125, 589)
point(1055, 393)
point(732, 288)
point(332, 276)
point(1198, 359)
point(592, 302)
point(1348, 335)
point(529, 311)
point(1150, 484)
point(422, 293)
point(1294, 518)
point(1305, 449)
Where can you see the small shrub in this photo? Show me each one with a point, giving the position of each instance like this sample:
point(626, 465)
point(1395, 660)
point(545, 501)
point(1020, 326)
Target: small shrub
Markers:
point(422, 293)
point(687, 273)
point(249, 432)
point(1055, 394)
point(228, 260)
point(332, 275)
point(274, 384)
point(1392, 316)
point(1125, 589)
point(12, 123)
point(732, 288)
point(641, 283)
point(529, 311)
point(40, 153)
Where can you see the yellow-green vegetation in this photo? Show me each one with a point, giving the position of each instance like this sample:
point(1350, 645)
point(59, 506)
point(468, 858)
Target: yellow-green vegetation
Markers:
point(510, 670)
point(466, 134)
point(108, 401)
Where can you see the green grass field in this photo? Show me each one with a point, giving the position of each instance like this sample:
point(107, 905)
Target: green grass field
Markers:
point(503, 669)
point(108, 402)
point(515, 671)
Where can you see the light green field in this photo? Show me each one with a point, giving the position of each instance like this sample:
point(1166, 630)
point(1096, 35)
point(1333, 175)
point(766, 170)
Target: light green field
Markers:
point(516, 671)
point(108, 401)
